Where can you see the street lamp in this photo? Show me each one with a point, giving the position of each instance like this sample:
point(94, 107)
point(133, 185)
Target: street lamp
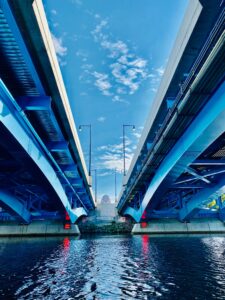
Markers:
point(115, 187)
point(124, 157)
point(80, 129)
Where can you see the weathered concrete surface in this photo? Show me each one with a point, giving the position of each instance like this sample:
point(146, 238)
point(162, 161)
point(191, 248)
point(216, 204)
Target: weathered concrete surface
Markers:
point(174, 226)
point(39, 228)
point(106, 228)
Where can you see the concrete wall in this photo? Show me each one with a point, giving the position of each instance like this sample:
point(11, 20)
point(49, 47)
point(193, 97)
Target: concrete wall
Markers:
point(174, 226)
point(40, 228)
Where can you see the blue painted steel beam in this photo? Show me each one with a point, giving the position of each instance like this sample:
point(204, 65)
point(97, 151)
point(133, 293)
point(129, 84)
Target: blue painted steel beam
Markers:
point(57, 146)
point(212, 172)
point(14, 205)
point(208, 162)
point(35, 103)
point(197, 175)
point(15, 124)
point(202, 132)
point(69, 168)
point(76, 182)
point(21, 44)
point(40, 104)
point(201, 198)
point(187, 186)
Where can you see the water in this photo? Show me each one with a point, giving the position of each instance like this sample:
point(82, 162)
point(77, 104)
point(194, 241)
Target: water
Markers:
point(114, 267)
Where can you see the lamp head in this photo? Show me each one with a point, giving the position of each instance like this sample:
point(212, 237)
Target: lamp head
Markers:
point(133, 127)
point(80, 128)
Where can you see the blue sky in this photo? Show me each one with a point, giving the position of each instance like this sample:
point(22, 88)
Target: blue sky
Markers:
point(112, 55)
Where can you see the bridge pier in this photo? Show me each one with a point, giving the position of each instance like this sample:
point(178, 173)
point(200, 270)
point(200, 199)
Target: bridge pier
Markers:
point(172, 226)
point(38, 228)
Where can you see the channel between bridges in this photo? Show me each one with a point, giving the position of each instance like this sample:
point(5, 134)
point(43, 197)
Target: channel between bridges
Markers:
point(178, 170)
point(42, 171)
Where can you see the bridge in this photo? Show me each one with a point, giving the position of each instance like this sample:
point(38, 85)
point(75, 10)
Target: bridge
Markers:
point(42, 169)
point(178, 170)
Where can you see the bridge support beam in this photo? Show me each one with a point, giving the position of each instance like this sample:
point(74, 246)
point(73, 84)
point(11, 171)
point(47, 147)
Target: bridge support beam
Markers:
point(203, 197)
point(14, 122)
point(13, 204)
point(203, 131)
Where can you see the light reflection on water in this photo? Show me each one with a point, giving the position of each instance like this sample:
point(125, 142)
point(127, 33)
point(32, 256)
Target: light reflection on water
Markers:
point(113, 267)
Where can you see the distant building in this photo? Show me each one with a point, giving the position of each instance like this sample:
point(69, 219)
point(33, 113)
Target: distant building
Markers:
point(105, 199)
point(106, 209)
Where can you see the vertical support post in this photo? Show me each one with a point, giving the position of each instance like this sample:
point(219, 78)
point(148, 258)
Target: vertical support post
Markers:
point(124, 158)
point(115, 187)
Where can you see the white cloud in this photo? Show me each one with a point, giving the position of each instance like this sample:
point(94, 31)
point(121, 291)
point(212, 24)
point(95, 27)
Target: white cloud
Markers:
point(101, 119)
point(103, 174)
point(155, 78)
point(97, 31)
point(116, 49)
point(87, 67)
point(121, 90)
point(112, 158)
point(128, 70)
point(54, 12)
point(63, 63)
point(102, 83)
point(160, 70)
point(81, 53)
point(59, 48)
point(137, 135)
point(117, 98)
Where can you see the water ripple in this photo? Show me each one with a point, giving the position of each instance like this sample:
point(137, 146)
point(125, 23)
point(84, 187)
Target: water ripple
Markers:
point(115, 267)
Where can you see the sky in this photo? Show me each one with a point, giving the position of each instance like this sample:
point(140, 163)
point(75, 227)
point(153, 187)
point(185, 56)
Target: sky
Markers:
point(112, 55)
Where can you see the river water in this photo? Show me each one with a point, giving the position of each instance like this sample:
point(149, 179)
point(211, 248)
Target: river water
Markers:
point(113, 267)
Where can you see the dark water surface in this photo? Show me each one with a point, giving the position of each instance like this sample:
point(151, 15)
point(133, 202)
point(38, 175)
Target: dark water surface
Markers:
point(113, 267)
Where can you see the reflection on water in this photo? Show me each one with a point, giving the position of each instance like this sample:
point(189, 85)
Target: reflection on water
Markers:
point(113, 267)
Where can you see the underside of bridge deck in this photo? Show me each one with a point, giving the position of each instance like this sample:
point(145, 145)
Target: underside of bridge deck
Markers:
point(42, 170)
point(178, 171)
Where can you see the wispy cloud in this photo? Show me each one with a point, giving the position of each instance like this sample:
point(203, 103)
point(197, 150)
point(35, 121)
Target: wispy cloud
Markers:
point(138, 131)
point(117, 98)
point(97, 31)
point(155, 78)
point(54, 12)
point(111, 156)
point(127, 69)
point(137, 135)
point(102, 83)
point(160, 70)
point(101, 119)
point(60, 50)
point(81, 53)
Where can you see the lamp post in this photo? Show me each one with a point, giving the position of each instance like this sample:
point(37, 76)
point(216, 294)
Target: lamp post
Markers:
point(80, 129)
point(115, 187)
point(124, 145)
